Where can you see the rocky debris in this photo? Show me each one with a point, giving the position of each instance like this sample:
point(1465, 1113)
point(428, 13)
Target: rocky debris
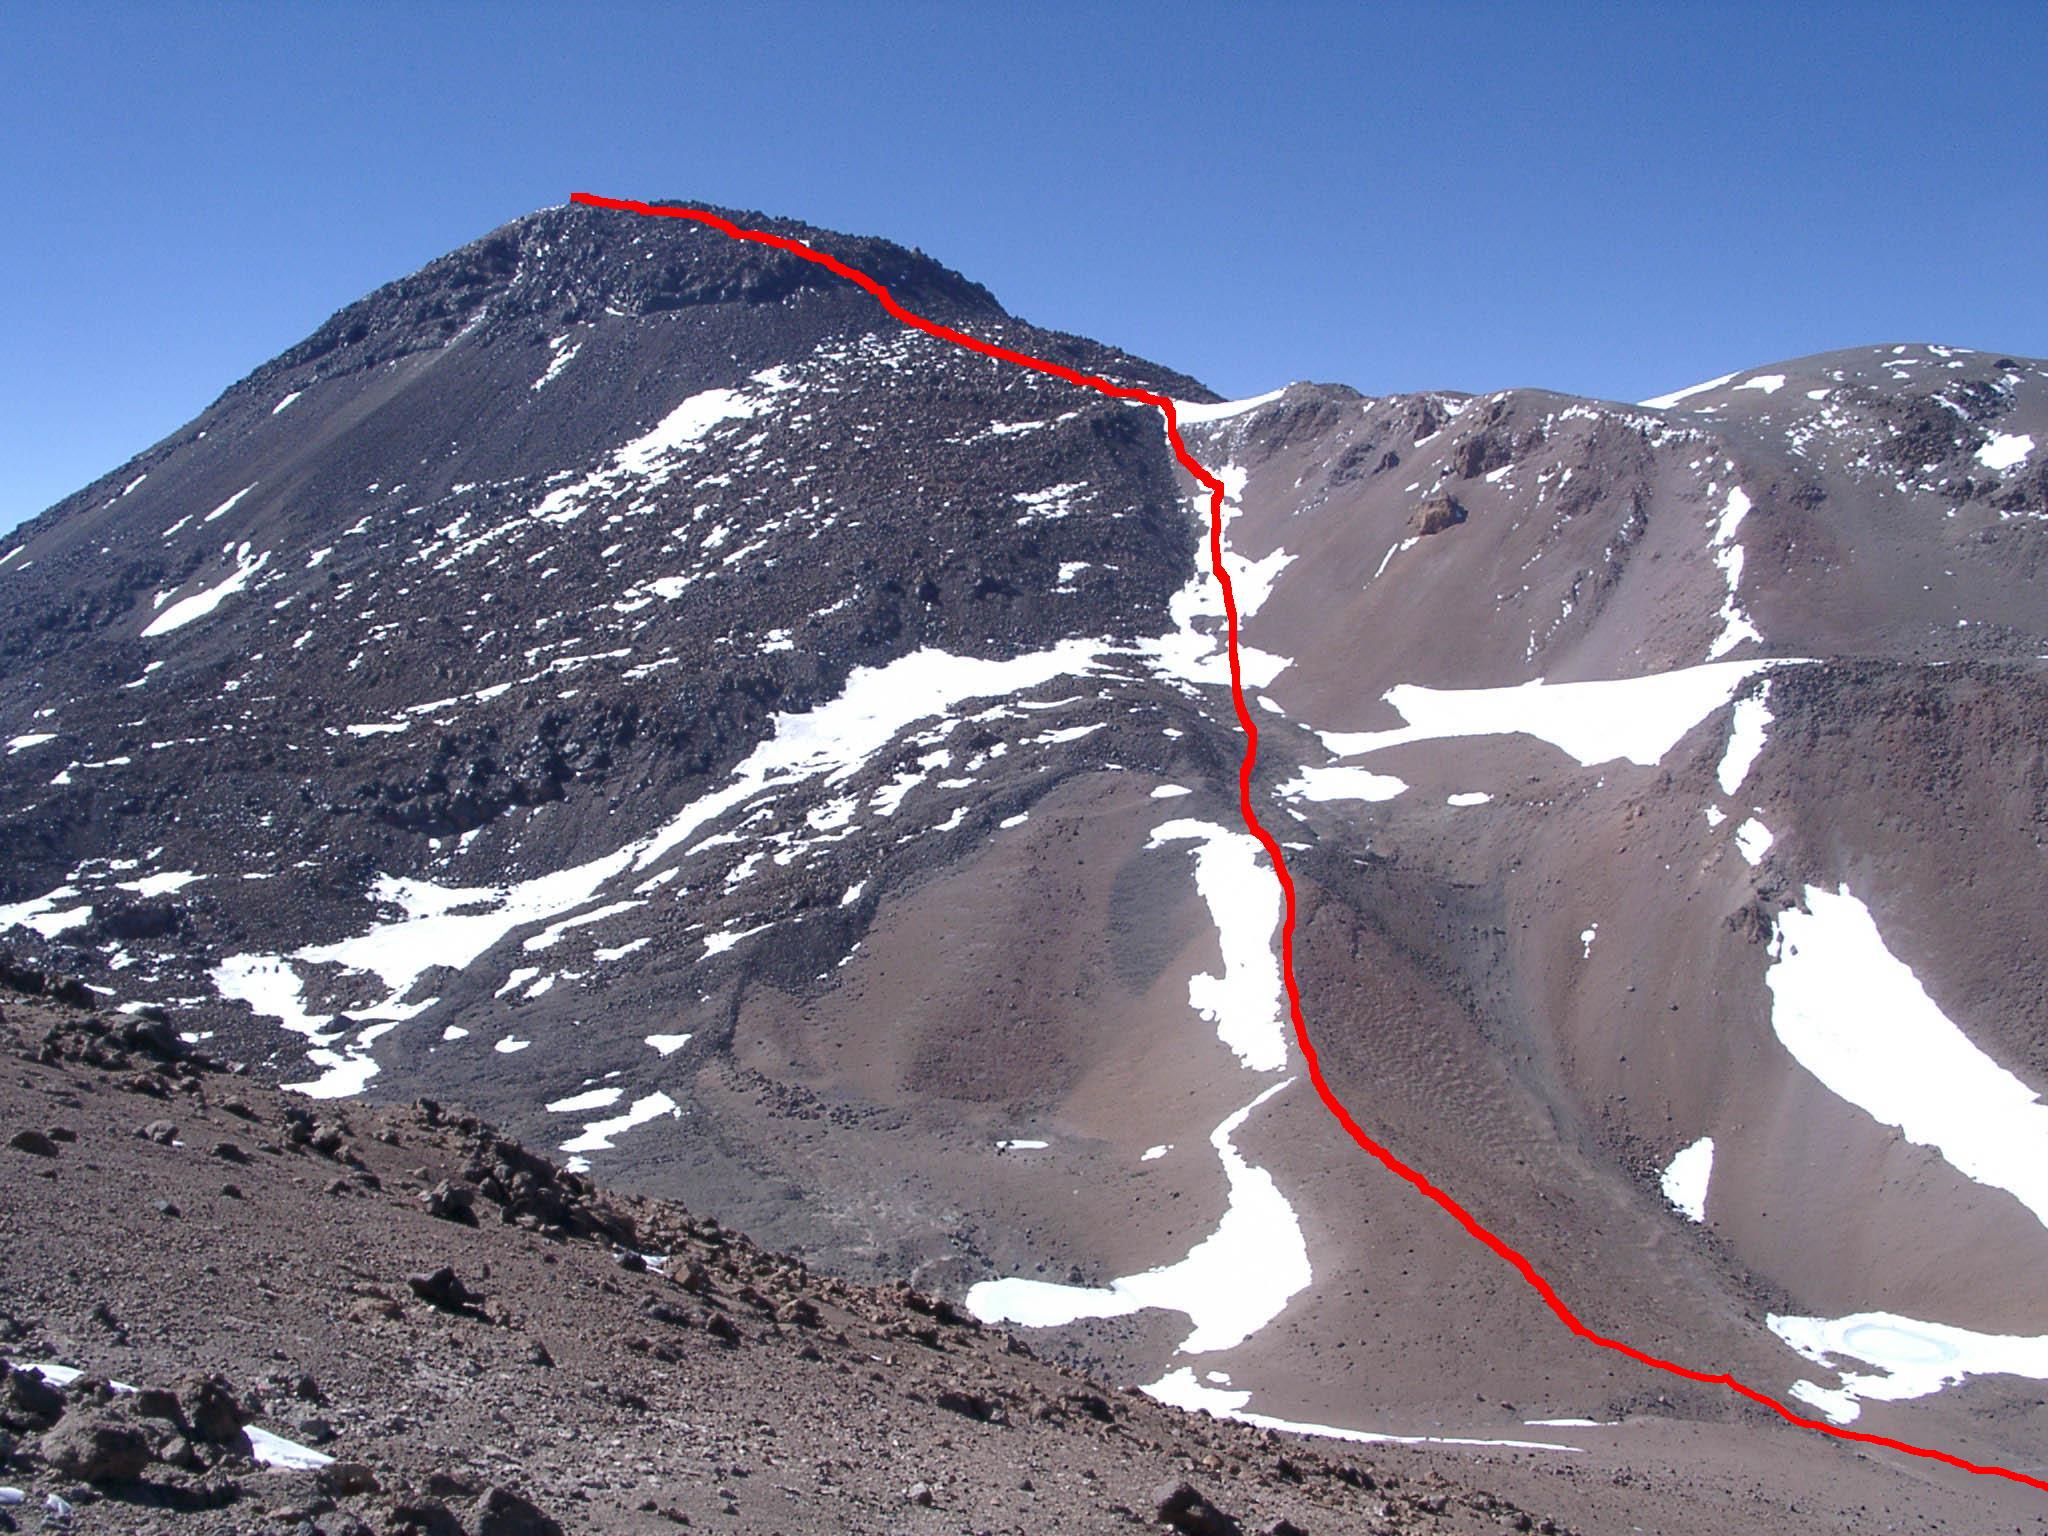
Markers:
point(451, 1201)
point(427, 1421)
point(443, 1289)
point(35, 1143)
point(215, 1415)
point(973, 1405)
point(27, 1401)
point(499, 1511)
point(1184, 1508)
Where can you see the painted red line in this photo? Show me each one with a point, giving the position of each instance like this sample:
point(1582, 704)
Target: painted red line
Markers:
point(1464, 1218)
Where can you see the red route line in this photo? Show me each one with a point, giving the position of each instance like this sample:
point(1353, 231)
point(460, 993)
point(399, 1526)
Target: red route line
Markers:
point(1331, 1102)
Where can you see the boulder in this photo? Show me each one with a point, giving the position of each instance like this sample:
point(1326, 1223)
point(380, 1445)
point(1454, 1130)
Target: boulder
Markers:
point(97, 1446)
point(499, 1511)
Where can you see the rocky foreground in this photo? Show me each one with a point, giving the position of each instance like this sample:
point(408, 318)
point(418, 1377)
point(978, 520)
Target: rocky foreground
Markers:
point(397, 1320)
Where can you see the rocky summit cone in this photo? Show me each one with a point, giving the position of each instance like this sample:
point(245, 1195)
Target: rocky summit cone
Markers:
point(619, 681)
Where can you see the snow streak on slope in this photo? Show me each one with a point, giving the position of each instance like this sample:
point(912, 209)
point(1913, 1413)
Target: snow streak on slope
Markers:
point(200, 604)
point(1856, 1017)
point(1230, 1285)
point(1244, 1003)
point(1637, 718)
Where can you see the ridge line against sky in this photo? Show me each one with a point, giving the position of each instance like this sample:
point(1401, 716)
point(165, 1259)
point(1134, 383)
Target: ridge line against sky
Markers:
point(1613, 201)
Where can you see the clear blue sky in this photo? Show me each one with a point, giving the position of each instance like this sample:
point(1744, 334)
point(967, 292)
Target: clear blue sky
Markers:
point(1609, 200)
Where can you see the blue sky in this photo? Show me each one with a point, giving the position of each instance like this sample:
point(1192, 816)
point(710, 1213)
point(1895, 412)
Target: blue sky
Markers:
point(1607, 200)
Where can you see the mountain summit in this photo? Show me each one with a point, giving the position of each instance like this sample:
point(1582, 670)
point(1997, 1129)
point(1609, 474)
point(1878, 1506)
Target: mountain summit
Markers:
point(622, 681)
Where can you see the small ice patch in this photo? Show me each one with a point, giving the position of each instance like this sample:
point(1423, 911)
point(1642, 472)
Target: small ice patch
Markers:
point(1769, 383)
point(668, 1045)
point(596, 1098)
point(1637, 718)
point(1170, 792)
point(1746, 734)
point(287, 400)
point(1153, 1154)
point(200, 604)
point(1665, 402)
point(40, 915)
point(2005, 451)
point(1753, 840)
point(598, 1134)
point(32, 739)
point(1469, 797)
point(1180, 1389)
point(1913, 1358)
point(1586, 937)
point(229, 505)
point(1685, 1180)
point(1013, 821)
point(1022, 1145)
point(1342, 784)
point(1229, 1286)
point(160, 885)
point(563, 349)
point(1188, 414)
point(510, 1045)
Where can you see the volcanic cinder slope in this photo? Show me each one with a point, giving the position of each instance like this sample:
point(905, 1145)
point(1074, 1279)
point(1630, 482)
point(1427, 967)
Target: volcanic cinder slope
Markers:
point(620, 680)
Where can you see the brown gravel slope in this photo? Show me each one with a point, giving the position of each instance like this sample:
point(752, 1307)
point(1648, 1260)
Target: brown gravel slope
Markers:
point(164, 1218)
point(163, 1221)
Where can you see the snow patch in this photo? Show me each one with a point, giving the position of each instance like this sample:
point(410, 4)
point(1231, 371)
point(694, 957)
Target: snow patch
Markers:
point(1665, 402)
point(1636, 718)
point(200, 604)
point(1746, 733)
point(1753, 840)
point(1686, 1178)
point(1229, 1286)
point(1913, 1358)
point(2005, 451)
point(1342, 784)
point(598, 1134)
point(1188, 414)
point(1244, 1003)
point(1855, 1016)
point(229, 505)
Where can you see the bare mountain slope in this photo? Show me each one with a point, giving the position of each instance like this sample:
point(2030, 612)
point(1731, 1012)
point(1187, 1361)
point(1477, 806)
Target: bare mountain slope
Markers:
point(786, 763)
